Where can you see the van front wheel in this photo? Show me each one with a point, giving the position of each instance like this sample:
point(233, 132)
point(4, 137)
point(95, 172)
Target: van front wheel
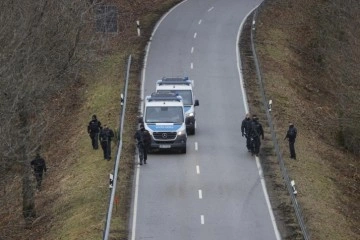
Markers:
point(183, 150)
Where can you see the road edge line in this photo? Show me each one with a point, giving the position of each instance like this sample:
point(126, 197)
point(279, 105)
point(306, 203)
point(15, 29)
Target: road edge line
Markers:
point(260, 171)
point(137, 171)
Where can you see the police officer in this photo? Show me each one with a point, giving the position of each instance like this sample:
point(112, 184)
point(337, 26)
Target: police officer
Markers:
point(143, 139)
point(93, 129)
point(39, 167)
point(245, 130)
point(106, 135)
point(291, 136)
point(256, 131)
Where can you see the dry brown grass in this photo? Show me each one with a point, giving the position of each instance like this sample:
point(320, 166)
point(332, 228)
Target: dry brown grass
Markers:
point(325, 174)
point(74, 199)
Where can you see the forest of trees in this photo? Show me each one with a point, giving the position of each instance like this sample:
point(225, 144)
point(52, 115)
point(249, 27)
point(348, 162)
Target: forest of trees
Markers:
point(47, 49)
point(44, 47)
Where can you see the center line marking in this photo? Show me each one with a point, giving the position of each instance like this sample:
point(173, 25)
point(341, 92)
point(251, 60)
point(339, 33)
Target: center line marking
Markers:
point(192, 49)
point(200, 21)
point(210, 9)
point(200, 194)
point(197, 169)
point(192, 65)
point(195, 34)
point(202, 219)
point(196, 146)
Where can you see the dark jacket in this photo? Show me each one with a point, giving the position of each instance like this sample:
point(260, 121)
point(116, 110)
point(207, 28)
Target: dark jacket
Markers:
point(143, 137)
point(246, 126)
point(38, 164)
point(291, 134)
point(256, 129)
point(106, 134)
point(94, 126)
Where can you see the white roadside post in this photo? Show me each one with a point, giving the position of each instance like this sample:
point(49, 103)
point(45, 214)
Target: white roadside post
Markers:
point(138, 27)
point(293, 187)
point(111, 182)
point(270, 105)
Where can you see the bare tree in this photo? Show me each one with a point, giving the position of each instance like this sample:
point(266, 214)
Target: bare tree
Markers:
point(44, 43)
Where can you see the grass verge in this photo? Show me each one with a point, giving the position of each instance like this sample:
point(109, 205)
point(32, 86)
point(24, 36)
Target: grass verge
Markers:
point(320, 167)
point(83, 192)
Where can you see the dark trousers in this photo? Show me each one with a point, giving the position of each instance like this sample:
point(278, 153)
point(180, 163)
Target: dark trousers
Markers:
point(292, 149)
point(248, 143)
point(106, 147)
point(143, 151)
point(94, 140)
point(255, 146)
point(38, 177)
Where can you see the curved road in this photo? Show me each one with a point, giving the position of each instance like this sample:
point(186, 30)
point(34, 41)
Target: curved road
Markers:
point(214, 191)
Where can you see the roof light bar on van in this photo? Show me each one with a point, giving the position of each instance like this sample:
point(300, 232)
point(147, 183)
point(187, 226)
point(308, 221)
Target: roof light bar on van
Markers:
point(164, 97)
point(172, 81)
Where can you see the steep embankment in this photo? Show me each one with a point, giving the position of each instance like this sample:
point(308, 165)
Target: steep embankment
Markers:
point(308, 52)
point(74, 196)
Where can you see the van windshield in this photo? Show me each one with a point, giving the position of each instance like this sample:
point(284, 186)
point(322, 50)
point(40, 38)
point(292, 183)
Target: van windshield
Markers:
point(185, 94)
point(164, 115)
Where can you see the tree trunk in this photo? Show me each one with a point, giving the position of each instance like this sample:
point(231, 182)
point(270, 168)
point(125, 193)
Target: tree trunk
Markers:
point(28, 193)
point(27, 188)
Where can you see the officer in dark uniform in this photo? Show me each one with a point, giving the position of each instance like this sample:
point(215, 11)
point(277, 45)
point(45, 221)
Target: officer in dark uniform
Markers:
point(245, 130)
point(106, 135)
point(93, 129)
point(143, 139)
point(39, 167)
point(256, 131)
point(291, 136)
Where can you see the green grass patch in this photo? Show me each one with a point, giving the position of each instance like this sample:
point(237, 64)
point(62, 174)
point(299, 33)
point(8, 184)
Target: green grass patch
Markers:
point(83, 193)
point(84, 196)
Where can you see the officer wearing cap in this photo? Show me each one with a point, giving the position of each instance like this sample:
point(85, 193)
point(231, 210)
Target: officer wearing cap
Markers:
point(93, 129)
point(256, 131)
point(106, 135)
point(39, 167)
point(291, 136)
point(143, 140)
point(245, 130)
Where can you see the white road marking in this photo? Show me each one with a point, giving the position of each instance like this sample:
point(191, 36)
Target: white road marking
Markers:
point(195, 34)
point(197, 169)
point(136, 190)
point(202, 219)
point(200, 194)
point(137, 173)
point(200, 21)
point(192, 65)
point(238, 59)
point(192, 50)
point(196, 146)
point(210, 9)
point(263, 184)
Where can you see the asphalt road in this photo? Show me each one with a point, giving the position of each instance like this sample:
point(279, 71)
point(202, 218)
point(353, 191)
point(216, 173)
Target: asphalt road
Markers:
point(214, 191)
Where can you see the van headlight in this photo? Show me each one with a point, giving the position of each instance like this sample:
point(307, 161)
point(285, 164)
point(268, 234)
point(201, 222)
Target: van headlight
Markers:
point(183, 132)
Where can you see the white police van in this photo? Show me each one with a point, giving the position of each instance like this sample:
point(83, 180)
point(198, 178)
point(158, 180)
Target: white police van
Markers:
point(184, 88)
point(164, 118)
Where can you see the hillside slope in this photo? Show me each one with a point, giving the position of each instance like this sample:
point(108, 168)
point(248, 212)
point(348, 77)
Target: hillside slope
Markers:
point(305, 47)
point(74, 197)
point(309, 53)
